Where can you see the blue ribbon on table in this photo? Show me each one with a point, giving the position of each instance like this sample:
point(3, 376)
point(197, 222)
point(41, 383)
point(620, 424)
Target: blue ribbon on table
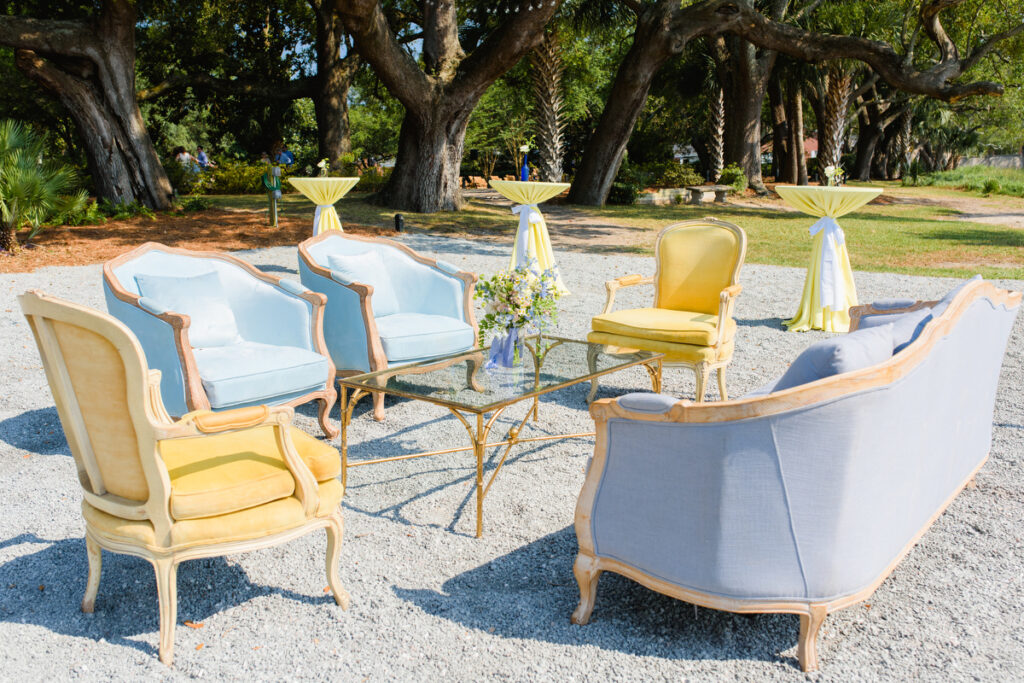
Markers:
point(503, 350)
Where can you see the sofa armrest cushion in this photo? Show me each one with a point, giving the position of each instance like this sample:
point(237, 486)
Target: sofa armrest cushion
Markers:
point(644, 402)
point(202, 298)
point(152, 306)
point(293, 287)
point(838, 355)
point(907, 327)
point(892, 304)
point(368, 268)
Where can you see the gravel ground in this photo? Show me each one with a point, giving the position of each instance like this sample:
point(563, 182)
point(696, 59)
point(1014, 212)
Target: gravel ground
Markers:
point(431, 601)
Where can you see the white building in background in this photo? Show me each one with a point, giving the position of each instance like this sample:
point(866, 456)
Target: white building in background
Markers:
point(685, 154)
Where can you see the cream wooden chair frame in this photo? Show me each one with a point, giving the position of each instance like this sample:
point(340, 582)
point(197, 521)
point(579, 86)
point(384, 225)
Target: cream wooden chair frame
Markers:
point(727, 303)
point(152, 424)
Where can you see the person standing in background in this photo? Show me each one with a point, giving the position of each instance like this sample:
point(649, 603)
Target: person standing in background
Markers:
point(204, 161)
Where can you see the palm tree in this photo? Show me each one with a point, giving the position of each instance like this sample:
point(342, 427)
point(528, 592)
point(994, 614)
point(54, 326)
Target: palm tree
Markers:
point(546, 60)
point(33, 190)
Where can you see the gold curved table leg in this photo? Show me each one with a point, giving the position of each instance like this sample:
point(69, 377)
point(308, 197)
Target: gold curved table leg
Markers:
point(347, 406)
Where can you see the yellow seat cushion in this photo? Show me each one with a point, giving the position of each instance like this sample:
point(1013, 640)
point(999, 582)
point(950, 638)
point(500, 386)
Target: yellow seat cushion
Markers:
point(258, 522)
point(674, 353)
point(663, 324)
point(223, 473)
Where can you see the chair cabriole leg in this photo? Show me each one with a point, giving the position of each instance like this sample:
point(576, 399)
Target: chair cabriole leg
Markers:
point(378, 406)
point(587, 574)
point(807, 646)
point(721, 384)
point(92, 586)
point(329, 430)
point(701, 371)
point(167, 597)
point(335, 531)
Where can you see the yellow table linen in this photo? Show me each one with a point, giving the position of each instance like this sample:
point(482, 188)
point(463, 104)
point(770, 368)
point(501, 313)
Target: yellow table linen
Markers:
point(829, 290)
point(532, 239)
point(324, 192)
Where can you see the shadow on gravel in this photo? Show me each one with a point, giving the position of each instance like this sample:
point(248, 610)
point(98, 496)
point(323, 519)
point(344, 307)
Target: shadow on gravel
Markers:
point(774, 323)
point(45, 588)
point(36, 431)
point(270, 268)
point(530, 593)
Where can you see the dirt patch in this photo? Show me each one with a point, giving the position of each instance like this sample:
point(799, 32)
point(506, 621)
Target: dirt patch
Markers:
point(961, 260)
point(214, 229)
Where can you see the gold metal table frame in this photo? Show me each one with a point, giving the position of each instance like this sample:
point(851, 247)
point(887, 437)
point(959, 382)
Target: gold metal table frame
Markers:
point(475, 419)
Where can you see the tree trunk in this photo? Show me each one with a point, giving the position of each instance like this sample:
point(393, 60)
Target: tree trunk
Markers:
point(796, 168)
point(546, 71)
point(780, 127)
point(9, 239)
point(832, 129)
point(603, 153)
point(868, 136)
point(716, 135)
point(426, 174)
point(334, 78)
point(92, 72)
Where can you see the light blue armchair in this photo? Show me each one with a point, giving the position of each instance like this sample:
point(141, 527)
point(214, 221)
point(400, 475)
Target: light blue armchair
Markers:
point(802, 498)
point(386, 304)
point(223, 334)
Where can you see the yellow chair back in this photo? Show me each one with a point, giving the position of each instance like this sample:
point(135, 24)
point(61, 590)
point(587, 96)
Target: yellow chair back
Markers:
point(97, 373)
point(696, 260)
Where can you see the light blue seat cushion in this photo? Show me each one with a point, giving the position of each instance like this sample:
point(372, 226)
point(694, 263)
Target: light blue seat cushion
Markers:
point(837, 355)
point(201, 297)
point(408, 336)
point(248, 372)
point(367, 268)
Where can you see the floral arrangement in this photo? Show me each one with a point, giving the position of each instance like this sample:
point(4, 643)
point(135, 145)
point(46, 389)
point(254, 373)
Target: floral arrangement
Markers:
point(325, 166)
point(834, 175)
point(518, 299)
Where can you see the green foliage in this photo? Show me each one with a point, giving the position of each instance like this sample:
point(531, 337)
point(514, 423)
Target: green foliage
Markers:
point(34, 191)
point(196, 203)
point(659, 174)
point(734, 175)
point(983, 179)
point(623, 193)
point(120, 211)
point(89, 213)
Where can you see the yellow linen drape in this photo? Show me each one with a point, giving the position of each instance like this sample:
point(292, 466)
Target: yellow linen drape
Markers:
point(324, 192)
point(832, 202)
point(538, 242)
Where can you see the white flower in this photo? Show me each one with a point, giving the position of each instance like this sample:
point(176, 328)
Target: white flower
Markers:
point(830, 171)
point(524, 148)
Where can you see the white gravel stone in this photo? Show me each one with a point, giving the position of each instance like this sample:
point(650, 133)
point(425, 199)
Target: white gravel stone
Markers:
point(430, 601)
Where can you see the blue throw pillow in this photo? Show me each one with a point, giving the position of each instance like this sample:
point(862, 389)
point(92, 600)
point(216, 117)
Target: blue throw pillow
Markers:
point(908, 326)
point(368, 268)
point(201, 297)
point(940, 308)
point(845, 353)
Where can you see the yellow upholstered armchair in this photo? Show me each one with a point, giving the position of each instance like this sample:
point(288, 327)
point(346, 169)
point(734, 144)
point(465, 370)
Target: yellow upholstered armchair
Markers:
point(207, 485)
point(695, 289)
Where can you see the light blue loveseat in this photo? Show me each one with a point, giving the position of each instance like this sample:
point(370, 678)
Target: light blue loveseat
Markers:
point(386, 304)
point(222, 333)
point(801, 500)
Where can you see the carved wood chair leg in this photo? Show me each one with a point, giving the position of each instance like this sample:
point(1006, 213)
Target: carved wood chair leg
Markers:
point(378, 406)
point(472, 368)
point(167, 598)
point(701, 371)
point(92, 586)
point(592, 366)
point(587, 575)
point(807, 646)
point(721, 384)
point(335, 531)
point(329, 430)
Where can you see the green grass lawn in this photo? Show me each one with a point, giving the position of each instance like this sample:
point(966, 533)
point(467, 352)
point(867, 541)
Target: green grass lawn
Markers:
point(902, 238)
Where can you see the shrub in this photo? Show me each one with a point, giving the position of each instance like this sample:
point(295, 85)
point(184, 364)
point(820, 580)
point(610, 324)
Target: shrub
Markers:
point(196, 203)
point(120, 211)
point(734, 175)
point(87, 214)
point(34, 191)
point(373, 179)
point(623, 193)
point(234, 177)
point(678, 175)
point(991, 186)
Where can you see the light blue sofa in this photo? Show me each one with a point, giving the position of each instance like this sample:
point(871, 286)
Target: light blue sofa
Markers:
point(223, 334)
point(801, 500)
point(386, 304)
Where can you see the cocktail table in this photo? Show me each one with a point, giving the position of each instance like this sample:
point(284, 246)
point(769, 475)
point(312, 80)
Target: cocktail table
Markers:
point(477, 396)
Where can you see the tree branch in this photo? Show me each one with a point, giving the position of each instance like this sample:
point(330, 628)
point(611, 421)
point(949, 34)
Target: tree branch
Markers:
point(290, 90)
point(985, 48)
point(47, 36)
point(809, 46)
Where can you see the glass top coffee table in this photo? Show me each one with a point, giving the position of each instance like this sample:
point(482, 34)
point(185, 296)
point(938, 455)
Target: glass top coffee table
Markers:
point(477, 396)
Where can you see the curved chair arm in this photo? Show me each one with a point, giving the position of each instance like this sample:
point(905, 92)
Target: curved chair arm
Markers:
point(204, 422)
point(467, 279)
point(858, 313)
point(726, 305)
point(613, 286)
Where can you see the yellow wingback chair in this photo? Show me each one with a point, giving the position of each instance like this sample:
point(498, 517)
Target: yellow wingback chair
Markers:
point(695, 289)
point(207, 485)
